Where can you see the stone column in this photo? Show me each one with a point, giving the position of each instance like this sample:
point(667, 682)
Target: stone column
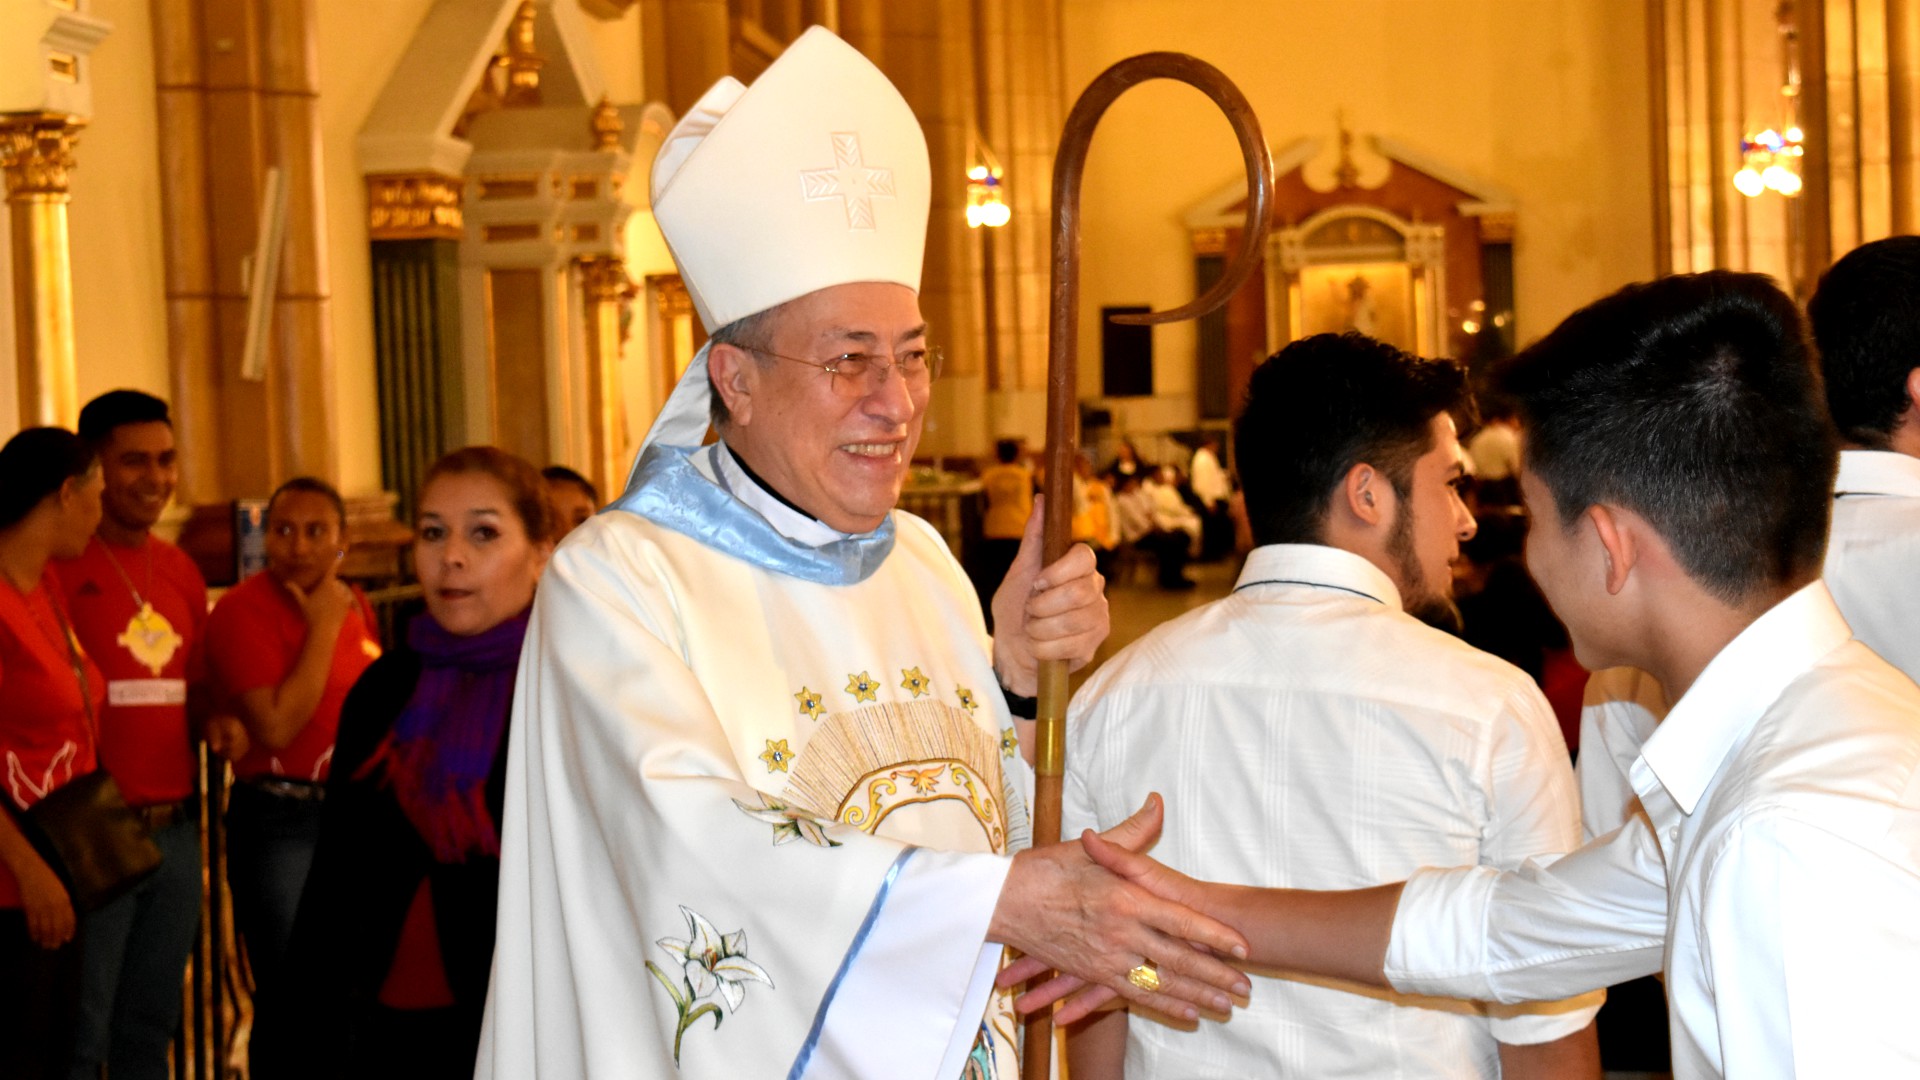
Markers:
point(1903, 92)
point(695, 51)
point(36, 151)
point(929, 55)
point(606, 289)
point(303, 380)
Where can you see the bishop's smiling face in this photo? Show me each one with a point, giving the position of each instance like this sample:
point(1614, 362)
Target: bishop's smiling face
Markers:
point(837, 448)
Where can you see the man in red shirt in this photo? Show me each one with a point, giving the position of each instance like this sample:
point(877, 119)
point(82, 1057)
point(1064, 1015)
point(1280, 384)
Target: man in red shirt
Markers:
point(138, 606)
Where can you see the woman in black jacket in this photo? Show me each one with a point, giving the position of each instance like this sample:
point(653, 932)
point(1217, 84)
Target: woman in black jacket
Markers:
point(394, 938)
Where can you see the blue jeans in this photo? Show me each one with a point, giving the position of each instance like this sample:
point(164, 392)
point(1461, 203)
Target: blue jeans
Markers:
point(270, 842)
point(133, 955)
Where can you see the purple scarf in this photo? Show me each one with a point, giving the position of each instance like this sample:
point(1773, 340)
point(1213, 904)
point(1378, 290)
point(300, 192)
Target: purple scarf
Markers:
point(441, 750)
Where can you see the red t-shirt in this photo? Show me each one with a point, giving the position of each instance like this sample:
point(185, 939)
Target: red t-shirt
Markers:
point(253, 638)
point(148, 660)
point(44, 739)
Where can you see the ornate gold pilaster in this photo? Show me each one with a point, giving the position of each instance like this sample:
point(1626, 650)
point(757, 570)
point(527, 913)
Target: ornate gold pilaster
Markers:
point(523, 58)
point(606, 289)
point(413, 206)
point(36, 153)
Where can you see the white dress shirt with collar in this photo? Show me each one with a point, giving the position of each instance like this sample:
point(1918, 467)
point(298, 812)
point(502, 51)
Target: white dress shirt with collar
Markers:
point(1873, 553)
point(1776, 868)
point(1873, 571)
point(1307, 733)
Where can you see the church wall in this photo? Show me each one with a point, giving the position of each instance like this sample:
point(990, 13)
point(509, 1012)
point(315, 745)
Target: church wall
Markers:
point(1548, 101)
point(120, 319)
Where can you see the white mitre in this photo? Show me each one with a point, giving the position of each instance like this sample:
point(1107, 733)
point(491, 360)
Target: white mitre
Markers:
point(814, 176)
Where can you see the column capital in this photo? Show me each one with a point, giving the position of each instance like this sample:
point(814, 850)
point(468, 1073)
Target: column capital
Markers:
point(414, 206)
point(605, 278)
point(36, 152)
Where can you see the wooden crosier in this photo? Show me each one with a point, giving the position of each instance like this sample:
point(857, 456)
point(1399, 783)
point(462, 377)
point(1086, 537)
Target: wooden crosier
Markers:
point(1050, 753)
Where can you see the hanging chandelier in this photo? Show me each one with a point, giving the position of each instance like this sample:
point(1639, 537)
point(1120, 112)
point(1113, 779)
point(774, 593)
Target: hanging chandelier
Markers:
point(986, 199)
point(1770, 160)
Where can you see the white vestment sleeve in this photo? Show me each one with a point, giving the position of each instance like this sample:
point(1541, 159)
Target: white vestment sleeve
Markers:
point(936, 912)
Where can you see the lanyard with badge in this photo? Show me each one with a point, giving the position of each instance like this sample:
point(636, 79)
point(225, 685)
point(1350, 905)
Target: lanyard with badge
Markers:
point(151, 640)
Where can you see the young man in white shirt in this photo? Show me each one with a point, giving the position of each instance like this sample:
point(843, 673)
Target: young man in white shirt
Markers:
point(1679, 466)
point(1308, 732)
point(1866, 327)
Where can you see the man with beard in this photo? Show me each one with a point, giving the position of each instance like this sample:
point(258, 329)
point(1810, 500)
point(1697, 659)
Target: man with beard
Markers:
point(1309, 731)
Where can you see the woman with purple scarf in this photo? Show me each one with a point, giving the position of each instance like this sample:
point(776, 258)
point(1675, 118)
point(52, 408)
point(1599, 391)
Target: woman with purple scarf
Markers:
point(394, 938)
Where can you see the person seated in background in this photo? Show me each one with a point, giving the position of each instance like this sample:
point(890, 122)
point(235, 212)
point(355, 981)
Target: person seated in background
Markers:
point(1212, 489)
point(1136, 511)
point(1316, 735)
point(1006, 487)
point(573, 498)
point(1094, 523)
point(1171, 512)
point(283, 649)
point(1494, 451)
point(395, 932)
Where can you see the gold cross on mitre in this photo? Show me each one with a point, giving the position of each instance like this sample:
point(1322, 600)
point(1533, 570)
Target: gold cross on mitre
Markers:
point(849, 180)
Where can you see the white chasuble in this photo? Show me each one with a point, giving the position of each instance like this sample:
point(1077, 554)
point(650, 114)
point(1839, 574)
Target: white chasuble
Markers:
point(755, 826)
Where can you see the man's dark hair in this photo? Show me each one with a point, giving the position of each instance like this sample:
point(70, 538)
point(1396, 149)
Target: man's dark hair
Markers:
point(312, 485)
point(560, 474)
point(1866, 323)
point(752, 333)
point(1007, 451)
point(117, 408)
point(1693, 402)
point(1324, 404)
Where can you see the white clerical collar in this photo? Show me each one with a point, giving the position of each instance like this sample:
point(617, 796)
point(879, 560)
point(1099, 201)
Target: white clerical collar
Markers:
point(1877, 472)
point(1738, 686)
point(1318, 566)
point(719, 463)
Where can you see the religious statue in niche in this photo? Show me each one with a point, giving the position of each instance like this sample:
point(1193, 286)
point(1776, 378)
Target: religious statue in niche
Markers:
point(1361, 315)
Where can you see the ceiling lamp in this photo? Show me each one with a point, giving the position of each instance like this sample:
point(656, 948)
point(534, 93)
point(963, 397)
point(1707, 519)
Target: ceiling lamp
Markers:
point(1770, 159)
point(986, 199)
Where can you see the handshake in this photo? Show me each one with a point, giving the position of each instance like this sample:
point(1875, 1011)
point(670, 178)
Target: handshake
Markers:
point(1115, 924)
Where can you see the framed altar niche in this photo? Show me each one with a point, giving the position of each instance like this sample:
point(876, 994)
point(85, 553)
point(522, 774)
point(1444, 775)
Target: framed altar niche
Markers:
point(1377, 238)
point(1357, 268)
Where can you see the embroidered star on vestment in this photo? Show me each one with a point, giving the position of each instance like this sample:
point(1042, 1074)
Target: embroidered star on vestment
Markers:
point(776, 755)
point(862, 687)
point(911, 679)
point(809, 703)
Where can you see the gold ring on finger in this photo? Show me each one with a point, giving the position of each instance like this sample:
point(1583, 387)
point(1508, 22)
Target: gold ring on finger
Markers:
point(1146, 976)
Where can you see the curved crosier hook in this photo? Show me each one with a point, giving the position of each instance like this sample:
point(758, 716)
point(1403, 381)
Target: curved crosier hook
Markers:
point(1050, 751)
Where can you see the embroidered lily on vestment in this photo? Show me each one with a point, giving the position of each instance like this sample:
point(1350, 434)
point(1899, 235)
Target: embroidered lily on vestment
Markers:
point(710, 962)
point(789, 822)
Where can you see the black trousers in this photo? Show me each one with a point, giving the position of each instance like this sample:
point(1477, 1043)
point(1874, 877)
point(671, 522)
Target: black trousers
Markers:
point(39, 1002)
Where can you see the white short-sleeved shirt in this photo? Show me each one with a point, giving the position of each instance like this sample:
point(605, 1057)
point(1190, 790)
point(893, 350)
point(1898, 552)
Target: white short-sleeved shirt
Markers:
point(1307, 733)
point(1776, 867)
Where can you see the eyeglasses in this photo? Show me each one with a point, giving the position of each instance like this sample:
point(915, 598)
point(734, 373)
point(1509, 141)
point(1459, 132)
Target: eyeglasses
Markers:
point(860, 374)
